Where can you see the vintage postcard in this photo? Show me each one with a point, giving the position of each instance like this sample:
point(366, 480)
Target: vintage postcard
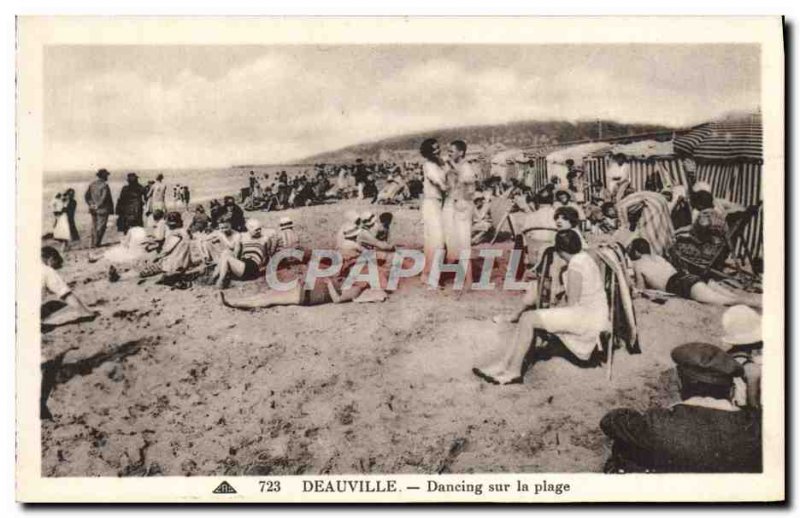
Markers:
point(400, 259)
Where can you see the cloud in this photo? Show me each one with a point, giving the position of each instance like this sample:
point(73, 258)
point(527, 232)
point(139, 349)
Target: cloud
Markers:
point(281, 104)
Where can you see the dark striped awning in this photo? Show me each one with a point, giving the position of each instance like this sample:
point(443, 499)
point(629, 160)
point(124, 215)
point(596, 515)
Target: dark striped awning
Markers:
point(739, 139)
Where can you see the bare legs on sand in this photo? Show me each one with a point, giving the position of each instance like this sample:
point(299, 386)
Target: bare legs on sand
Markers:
point(228, 264)
point(266, 299)
point(508, 369)
point(714, 293)
point(293, 297)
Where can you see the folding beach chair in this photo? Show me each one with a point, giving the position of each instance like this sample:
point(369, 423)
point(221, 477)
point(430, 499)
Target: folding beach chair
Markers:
point(709, 266)
point(617, 272)
point(615, 269)
point(499, 210)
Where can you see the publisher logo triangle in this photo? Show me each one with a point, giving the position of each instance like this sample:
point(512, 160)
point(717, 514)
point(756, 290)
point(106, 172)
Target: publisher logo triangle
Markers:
point(224, 489)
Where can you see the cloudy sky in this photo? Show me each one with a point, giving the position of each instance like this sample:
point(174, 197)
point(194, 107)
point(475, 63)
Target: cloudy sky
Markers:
point(196, 106)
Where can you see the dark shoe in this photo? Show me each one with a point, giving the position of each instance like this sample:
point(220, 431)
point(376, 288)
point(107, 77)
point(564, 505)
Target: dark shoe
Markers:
point(485, 377)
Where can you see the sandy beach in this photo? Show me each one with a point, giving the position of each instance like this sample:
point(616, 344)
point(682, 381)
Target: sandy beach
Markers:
point(170, 382)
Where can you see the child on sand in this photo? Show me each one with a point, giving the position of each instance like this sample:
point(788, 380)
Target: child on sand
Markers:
point(68, 309)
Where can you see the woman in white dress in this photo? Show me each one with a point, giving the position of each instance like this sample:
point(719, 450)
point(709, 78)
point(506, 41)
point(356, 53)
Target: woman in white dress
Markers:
point(577, 325)
point(61, 231)
point(132, 248)
point(434, 190)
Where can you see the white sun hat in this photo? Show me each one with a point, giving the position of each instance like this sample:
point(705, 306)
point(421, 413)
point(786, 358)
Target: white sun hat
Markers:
point(741, 325)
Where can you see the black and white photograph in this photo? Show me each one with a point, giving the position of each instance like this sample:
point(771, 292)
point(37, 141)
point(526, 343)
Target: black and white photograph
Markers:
point(313, 268)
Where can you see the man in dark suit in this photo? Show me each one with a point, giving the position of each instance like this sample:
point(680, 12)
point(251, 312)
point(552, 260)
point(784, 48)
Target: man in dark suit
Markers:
point(98, 198)
point(704, 433)
point(130, 205)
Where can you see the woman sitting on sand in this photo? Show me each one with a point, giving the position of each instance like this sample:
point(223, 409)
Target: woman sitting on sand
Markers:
point(577, 325)
point(213, 244)
point(133, 246)
point(249, 258)
point(171, 262)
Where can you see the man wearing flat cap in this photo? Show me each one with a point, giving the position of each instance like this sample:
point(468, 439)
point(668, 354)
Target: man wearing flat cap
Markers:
point(702, 434)
point(130, 205)
point(98, 198)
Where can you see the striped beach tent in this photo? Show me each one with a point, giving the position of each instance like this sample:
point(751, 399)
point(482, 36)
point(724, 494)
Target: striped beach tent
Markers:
point(537, 176)
point(729, 155)
point(595, 169)
point(738, 182)
point(737, 138)
point(671, 170)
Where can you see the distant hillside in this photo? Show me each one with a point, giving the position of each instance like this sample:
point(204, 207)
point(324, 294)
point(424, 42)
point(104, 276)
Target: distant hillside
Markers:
point(514, 134)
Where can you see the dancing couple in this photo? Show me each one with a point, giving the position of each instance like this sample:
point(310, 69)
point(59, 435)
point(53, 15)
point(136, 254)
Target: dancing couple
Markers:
point(448, 188)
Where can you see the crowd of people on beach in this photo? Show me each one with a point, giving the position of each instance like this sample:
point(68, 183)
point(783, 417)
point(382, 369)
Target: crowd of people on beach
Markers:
point(329, 183)
point(660, 243)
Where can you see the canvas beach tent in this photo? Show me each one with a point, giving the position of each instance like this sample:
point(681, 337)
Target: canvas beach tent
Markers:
point(557, 160)
point(646, 157)
point(729, 156)
point(504, 163)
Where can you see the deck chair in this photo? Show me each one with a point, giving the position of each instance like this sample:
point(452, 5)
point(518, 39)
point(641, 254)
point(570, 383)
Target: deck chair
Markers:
point(617, 274)
point(499, 211)
point(711, 268)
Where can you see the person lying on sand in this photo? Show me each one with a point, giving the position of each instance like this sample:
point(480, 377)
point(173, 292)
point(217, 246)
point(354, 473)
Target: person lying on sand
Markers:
point(326, 291)
point(68, 309)
point(577, 325)
point(172, 261)
point(249, 260)
point(653, 271)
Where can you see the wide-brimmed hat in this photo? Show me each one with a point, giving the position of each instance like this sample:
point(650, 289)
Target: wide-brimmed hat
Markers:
point(706, 363)
point(132, 176)
point(741, 325)
point(102, 173)
point(286, 223)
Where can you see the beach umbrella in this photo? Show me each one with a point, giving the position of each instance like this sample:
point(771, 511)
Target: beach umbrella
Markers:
point(732, 139)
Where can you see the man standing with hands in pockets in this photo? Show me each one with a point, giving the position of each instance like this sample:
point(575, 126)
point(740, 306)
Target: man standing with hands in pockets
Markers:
point(98, 197)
